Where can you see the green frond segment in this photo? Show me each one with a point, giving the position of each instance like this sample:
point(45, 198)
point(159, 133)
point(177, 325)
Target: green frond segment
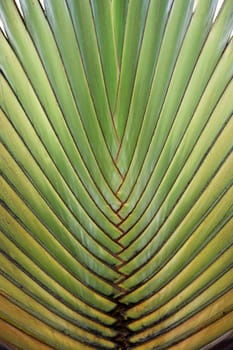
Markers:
point(46, 327)
point(60, 199)
point(39, 284)
point(119, 16)
point(29, 309)
point(56, 98)
point(102, 17)
point(212, 325)
point(182, 96)
point(116, 174)
point(82, 18)
point(163, 55)
point(134, 28)
point(43, 284)
point(185, 162)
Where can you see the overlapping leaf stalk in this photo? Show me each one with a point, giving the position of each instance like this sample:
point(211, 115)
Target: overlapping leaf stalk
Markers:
point(116, 174)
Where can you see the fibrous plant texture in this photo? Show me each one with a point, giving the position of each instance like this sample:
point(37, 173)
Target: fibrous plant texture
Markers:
point(116, 174)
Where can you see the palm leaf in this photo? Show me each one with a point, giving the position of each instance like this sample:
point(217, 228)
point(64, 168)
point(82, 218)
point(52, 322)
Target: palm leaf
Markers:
point(116, 164)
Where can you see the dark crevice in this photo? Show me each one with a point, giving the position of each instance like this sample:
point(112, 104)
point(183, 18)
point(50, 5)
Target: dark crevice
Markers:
point(123, 332)
point(223, 345)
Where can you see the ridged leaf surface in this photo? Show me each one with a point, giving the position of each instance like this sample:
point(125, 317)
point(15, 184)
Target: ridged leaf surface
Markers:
point(116, 174)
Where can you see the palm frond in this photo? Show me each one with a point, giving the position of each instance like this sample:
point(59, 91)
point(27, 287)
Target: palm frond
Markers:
point(116, 174)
